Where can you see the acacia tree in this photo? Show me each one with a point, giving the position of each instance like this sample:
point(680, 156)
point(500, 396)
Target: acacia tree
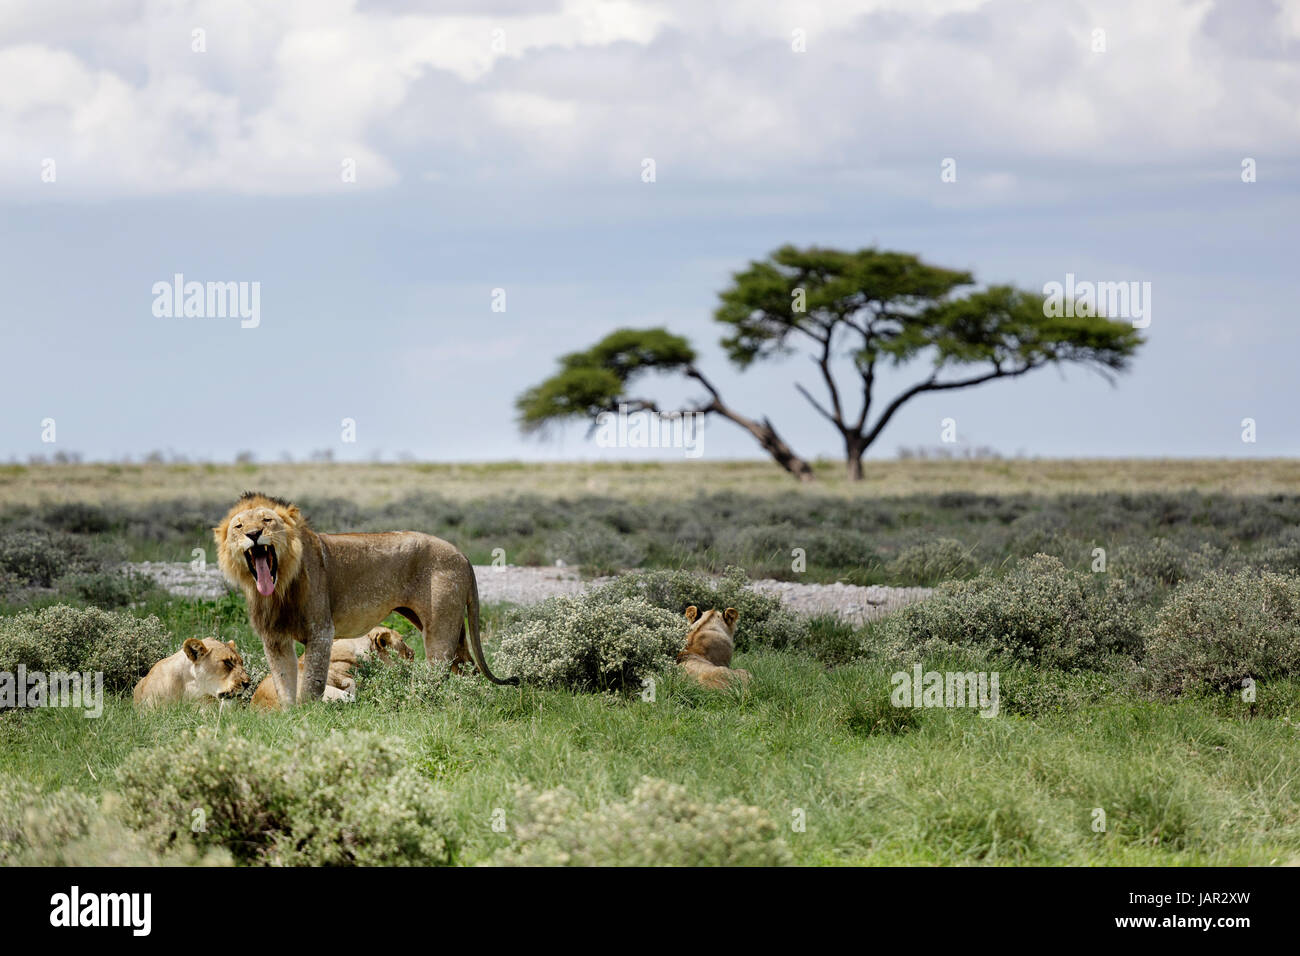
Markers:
point(871, 307)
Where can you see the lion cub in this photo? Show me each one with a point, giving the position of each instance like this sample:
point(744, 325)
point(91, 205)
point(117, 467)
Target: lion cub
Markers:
point(200, 669)
point(709, 646)
point(345, 654)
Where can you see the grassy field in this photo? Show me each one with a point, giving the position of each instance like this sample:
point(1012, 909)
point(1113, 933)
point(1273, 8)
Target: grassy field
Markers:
point(813, 743)
point(372, 484)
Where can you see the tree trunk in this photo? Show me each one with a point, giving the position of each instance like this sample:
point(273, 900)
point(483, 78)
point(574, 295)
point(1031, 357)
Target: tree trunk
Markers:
point(853, 451)
point(772, 443)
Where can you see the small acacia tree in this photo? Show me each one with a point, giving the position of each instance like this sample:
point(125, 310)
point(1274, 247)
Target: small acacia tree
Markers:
point(871, 307)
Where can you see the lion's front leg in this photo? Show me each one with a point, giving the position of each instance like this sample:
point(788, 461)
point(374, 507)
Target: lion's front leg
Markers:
point(316, 665)
point(284, 665)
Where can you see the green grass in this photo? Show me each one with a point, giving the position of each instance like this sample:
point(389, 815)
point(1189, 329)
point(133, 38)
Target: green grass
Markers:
point(1186, 782)
point(1202, 780)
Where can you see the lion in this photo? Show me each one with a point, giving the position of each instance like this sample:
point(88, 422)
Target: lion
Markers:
point(304, 586)
point(200, 670)
point(345, 654)
point(710, 643)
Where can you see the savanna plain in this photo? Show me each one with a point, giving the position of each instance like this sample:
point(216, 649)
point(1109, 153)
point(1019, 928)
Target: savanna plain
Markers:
point(1142, 618)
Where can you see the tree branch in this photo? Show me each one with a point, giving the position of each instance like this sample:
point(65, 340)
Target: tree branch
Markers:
point(931, 385)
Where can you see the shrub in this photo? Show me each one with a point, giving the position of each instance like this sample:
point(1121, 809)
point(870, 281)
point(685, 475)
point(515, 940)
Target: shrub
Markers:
point(78, 517)
point(1283, 554)
point(1038, 612)
point(106, 589)
point(931, 562)
point(63, 638)
point(595, 641)
point(344, 800)
point(1224, 628)
point(36, 558)
point(763, 622)
point(1150, 569)
point(659, 826)
point(597, 549)
point(68, 828)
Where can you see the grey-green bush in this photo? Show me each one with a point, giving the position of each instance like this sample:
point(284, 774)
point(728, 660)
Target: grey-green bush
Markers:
point(932, 561)
point(660, 825)
point(596, 641)
point(344, 800)
point(37, 558)
point(763, 622)
point(1151, 568)
point(63, 638)
point(68, 828)
point(1225, 627)
point(597, 550)
point(1039, 611)
point(106, 589)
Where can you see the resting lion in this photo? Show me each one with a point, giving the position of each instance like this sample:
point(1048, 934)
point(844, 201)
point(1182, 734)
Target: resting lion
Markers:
point(709, 645)
point(312, 588)
point(345, 654)
point(199, 670)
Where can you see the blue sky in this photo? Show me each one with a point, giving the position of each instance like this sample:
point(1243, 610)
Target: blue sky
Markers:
point(500, 146)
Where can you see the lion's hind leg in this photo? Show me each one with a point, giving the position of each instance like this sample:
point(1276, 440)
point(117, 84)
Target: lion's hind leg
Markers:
point(444, 628)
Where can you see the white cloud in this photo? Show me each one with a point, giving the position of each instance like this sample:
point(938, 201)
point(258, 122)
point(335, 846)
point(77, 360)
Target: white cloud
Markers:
point(285, 92)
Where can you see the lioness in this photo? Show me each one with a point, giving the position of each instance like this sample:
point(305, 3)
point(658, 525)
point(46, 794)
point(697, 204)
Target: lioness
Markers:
point(312, 587)
point(345, 653)
point(200, 669)
point(709, 645)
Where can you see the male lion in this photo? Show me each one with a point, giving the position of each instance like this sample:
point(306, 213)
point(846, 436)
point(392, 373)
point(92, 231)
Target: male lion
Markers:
point(709, 646)
point(312, 587)
point(199, 670)
point(345, 654)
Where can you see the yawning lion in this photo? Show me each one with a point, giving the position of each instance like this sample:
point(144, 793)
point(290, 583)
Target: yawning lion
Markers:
point(312, 587)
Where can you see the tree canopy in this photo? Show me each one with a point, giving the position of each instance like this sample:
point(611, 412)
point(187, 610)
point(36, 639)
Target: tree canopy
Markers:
point(872, 308)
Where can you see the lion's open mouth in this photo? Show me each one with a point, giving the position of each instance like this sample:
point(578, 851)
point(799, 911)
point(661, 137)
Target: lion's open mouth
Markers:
point(263, 565)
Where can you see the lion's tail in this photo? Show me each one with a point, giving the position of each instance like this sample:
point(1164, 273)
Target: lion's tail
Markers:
point(475, 645)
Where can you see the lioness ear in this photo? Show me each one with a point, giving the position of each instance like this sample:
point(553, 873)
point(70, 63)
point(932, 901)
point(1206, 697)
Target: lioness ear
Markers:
point(730, 615)
point(691, 612)
point(194, 648)
point(231, 645)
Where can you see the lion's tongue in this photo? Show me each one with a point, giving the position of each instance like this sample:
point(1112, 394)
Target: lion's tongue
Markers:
point(265, 583)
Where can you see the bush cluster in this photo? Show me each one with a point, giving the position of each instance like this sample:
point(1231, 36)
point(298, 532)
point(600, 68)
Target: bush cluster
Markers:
point(763, 622)
point(1040, 611)
point(68, 828)
point(63, 638)
point(659, 825)
point(932, 561)
point(1216, 632)
point(595, 641)
point(342, 800)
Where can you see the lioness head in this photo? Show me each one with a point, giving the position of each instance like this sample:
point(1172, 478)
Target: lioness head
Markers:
point(711, 619)
point(217, 669)
point(385, 642)
point(259, 543)
point(711, 635)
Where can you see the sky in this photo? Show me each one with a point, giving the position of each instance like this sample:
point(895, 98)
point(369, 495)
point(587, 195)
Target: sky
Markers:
point(381, 168)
